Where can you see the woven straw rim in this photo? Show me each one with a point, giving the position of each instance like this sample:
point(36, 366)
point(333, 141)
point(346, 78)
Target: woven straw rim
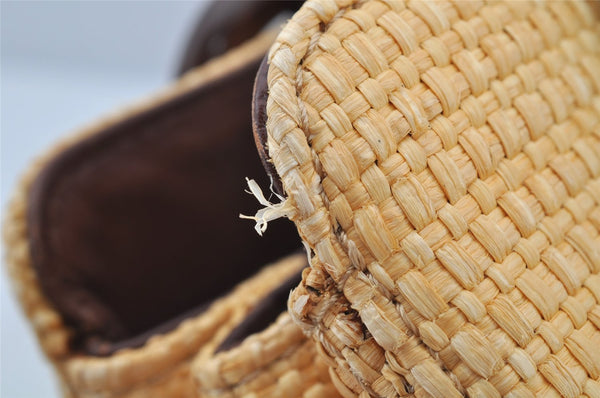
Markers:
point(385, 298)
point(277, 362)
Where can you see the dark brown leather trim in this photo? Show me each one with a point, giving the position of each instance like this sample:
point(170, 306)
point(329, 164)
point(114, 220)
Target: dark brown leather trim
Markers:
point(228, 23)
point(259, 124)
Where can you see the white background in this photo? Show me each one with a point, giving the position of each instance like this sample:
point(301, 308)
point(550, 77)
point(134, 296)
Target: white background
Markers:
point(65, 64)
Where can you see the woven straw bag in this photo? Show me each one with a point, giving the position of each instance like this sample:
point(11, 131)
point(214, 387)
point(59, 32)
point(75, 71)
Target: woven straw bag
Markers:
point(442, 162)
point(119, 198)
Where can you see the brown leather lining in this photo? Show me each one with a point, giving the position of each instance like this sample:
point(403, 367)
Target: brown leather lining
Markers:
point(259, 124)
point(138, 224)
point(228, 23)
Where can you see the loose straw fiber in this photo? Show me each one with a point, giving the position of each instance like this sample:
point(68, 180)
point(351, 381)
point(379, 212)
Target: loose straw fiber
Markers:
point(161, 368)
point(443, 159)
point(277, 362)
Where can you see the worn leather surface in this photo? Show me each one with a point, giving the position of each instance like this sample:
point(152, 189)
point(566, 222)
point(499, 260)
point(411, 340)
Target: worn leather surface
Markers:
point(259, 124)
point(138, 224)
point(228, 23)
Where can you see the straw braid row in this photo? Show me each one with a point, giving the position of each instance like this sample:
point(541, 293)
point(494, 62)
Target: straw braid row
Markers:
point(279, 362)
point(444, 161)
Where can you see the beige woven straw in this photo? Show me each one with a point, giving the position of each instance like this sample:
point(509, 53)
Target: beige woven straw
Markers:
point(277, 362)
point(442, 161)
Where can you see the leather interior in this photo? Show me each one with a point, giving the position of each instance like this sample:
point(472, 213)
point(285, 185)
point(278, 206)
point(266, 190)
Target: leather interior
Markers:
point(228, 23)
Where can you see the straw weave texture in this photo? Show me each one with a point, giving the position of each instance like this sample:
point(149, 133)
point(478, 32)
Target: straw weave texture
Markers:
point(443, 161)
point(277, 362)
